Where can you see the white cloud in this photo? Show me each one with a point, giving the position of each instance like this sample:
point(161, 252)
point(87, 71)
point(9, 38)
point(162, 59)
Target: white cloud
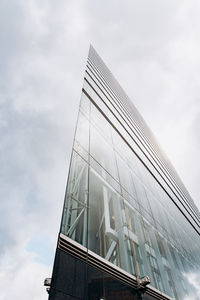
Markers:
point(21, 277)
point(193, 279)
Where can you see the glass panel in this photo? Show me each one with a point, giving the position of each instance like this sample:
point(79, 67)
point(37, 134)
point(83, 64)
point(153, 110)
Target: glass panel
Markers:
point(171, 284)
point(155, 272)
point(126, 177)
point(81, 143)
point(103, 153)
point(85, 105)
point(160, 246)
point(130, 219)
point(173, 255)
point(100, 123)
point(74, 221)
point(102, 236)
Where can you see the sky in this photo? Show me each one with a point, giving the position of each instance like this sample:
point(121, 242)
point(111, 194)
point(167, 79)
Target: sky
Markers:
point(151, 46)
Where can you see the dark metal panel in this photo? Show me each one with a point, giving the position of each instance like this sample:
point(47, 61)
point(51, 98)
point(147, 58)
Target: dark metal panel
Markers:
point(76, 258)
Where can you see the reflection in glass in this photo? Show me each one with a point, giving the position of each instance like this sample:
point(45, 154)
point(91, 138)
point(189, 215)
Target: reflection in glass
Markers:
point(115, 208)
point(171, 284)
point(155, 272)
point(74, 222)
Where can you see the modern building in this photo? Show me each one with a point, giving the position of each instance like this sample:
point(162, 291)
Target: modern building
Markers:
point(127, 216)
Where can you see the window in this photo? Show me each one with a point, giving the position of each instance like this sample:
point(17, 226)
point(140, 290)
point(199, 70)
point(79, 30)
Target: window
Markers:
point(171, 283)
point(155, 272)
point(130, 219)
point(135, 258)
point(146, 231)
point(171, 249)
point(112, 215)
point(161, 246)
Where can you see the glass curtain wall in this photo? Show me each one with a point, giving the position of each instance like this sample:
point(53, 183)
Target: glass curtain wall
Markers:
point(115, 208)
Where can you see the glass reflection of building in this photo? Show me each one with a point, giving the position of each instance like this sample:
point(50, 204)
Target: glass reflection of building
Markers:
point(126, 212)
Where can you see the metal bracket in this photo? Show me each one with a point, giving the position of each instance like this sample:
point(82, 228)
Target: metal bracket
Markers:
point(142, 285)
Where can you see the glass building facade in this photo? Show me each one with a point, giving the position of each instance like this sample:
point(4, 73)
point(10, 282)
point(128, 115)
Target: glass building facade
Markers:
point(126, 212)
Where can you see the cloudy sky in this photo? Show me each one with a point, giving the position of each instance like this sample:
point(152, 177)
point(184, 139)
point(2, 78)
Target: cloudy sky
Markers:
point(151, 46)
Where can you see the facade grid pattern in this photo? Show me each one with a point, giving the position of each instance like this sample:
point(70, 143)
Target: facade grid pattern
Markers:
point(125, 209)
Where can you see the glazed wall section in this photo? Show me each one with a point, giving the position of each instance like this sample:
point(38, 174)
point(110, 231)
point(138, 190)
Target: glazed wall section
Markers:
point(113, 100)
point(117, 209)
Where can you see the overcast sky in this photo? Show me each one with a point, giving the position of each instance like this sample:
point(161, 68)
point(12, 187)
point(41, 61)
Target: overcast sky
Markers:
point(151, 46)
